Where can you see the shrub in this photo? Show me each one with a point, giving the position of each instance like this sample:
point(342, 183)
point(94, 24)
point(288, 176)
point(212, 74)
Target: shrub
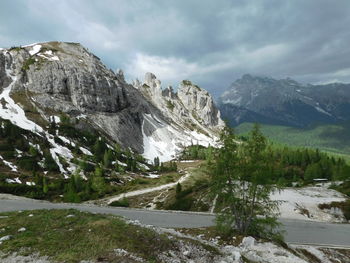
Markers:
point(28, 163)
point(27, 63)
point(182, 204)
point(121, 203)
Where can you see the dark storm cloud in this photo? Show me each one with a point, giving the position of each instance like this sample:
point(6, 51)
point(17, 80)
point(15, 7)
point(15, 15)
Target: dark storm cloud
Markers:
point(209, 42)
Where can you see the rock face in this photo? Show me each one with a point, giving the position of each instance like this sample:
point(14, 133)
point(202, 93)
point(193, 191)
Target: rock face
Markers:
point(190, 112)
point(65, 77)
point(4, 80)
point(72, 74)
point(285, 102)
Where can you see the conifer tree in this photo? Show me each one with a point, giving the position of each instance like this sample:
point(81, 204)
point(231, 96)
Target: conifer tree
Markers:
point(241, 180)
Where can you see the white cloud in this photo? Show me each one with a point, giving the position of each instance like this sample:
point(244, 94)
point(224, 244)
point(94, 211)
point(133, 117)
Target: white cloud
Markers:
point(166, 68)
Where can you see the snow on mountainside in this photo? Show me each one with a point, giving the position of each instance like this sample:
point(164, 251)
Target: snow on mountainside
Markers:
point(285, 102)
point(58, 77)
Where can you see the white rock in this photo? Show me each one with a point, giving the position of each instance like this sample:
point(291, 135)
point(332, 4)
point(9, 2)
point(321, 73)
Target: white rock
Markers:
point(236, 255)
point(5, 238)
point(248, 242)
point(22, 229)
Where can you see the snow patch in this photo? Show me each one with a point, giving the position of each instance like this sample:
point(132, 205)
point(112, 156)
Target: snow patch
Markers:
point(55, 118)
point(166, 142)
point(36, 49)
point(13, 181)
point(9, 164)
point(152, 176)
point(121, 163)
point(85, 151)
point(67, 141)
point(322, 111)
point(11, 111)
point(81, 116)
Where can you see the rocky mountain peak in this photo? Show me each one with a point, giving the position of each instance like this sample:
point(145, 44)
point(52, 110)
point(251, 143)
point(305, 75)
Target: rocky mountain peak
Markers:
point(190, 102)
point(120, 75)
point(284, 101)
point(58, 77)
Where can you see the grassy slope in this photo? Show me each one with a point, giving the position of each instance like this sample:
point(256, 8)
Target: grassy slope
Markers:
point(330, 138)
point(66, 238)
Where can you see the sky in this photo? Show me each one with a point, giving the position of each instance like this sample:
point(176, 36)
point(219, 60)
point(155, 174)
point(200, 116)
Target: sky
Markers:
point(210, 42)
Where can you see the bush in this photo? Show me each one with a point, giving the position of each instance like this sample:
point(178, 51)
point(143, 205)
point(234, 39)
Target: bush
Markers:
point(182, 204)
point(31, 191)
point(8, 154)
point(50, 163)
point(6, 147)
point(28, 163)
point(139, 181)
point(121, 203)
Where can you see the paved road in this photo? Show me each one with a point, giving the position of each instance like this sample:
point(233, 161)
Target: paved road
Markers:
point(297, 231)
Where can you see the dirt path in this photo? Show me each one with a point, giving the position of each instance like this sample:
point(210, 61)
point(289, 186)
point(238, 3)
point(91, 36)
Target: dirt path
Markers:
point(186, 166)
point(147, 190)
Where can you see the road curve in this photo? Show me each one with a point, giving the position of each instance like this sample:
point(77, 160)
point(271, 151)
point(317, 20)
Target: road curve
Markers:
point(296, 231)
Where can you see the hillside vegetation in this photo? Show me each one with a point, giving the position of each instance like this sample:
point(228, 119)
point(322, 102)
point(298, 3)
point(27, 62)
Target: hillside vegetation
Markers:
point(334, 138)
point(29, 167)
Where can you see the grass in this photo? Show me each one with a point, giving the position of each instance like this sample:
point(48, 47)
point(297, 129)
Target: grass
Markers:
point(27, 63)
point(72, 236)
point(141, 182)
point(194, 195)
point(332, 138)
point(199, 172)
point(17, 49)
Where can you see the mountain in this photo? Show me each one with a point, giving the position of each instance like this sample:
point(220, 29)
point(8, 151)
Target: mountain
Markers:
point(60, 105)
point(284, 102)
point(190, 117)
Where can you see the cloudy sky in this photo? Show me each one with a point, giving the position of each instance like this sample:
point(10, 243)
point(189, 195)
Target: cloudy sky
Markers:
point(209, 42)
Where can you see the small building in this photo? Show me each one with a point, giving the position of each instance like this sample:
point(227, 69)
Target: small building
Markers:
point(320, 181)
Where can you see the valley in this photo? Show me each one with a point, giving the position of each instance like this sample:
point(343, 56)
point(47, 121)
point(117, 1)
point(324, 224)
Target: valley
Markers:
point(332, 138)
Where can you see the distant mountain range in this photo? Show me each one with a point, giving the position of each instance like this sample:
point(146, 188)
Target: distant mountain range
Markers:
point(284, 102)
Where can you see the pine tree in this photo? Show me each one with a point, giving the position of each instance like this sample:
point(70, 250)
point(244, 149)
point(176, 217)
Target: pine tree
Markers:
point(45, 186)
point(107, 158)
point(98, 182)
point(156, 162)
point(178, 190)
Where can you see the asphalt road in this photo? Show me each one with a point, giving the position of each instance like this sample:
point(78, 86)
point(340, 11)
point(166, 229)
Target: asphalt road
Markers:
point(296, 231)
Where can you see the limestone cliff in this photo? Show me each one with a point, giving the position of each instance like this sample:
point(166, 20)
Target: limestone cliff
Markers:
point(59, 77)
